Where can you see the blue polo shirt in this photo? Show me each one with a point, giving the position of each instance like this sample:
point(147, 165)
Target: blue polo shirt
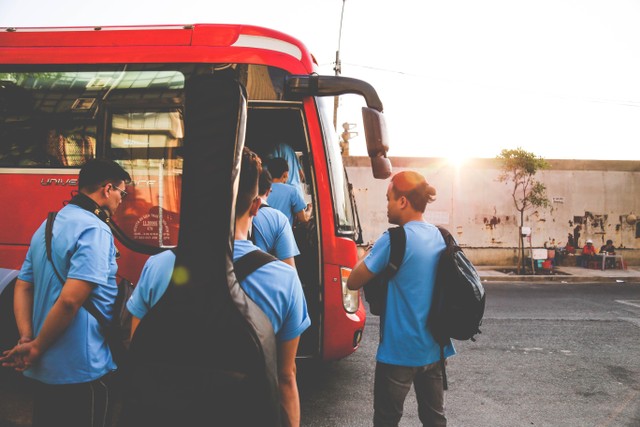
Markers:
point(273, 234)
point(274, 287)
point(406, 341)
point(82, 248)
point(287, 199)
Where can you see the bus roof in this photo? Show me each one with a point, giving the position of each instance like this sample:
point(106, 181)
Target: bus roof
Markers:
point(159, 43)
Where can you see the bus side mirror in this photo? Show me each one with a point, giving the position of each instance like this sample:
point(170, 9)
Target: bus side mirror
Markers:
point(375, 131)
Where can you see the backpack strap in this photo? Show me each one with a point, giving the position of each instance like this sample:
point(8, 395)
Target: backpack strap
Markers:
point(449, 240)
point(88, 305)
point(398, 243)
point(250, 262)
point(446, 235)
point(48, 236)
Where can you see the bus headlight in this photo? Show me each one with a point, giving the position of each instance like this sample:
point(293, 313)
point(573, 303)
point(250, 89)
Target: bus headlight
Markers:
point(350, 299)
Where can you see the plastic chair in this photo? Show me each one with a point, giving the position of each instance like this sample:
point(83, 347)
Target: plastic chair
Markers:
point(594, 264)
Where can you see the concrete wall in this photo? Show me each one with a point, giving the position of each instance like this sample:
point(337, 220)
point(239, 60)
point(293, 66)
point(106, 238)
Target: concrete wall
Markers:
point(589, 198)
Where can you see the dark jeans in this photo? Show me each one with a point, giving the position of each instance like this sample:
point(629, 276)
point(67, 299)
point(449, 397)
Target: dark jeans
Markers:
point(392, 383)
point(73, 405)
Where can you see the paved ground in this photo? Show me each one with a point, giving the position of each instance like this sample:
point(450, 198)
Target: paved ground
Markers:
point(550, 355)
point(557, 350)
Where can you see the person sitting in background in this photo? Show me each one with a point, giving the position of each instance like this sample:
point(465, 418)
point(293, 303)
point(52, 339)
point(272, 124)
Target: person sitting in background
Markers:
point(588, 252)
point(609, 249)
point(570, 247)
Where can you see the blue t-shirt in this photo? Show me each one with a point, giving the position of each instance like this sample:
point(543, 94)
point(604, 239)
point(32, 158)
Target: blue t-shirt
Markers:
point(273, 234)
point(82, 248)
point(405, 340)
point(287, 199)
point(274, 287)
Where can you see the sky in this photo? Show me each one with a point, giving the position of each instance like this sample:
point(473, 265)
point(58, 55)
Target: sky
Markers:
point(458, 78)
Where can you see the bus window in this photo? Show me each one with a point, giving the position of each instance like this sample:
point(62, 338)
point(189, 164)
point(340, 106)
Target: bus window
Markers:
point(146, 143)
point(39, 122)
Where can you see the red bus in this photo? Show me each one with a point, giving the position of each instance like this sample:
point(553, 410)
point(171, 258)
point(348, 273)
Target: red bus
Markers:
point(71, 94)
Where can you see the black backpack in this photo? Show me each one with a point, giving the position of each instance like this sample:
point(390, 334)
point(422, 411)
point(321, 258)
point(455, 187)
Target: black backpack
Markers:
point(458, 300)
point(117, 332)
point(375, 291)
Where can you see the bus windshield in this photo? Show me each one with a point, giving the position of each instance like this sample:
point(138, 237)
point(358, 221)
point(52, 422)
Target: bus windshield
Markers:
point(345, 218)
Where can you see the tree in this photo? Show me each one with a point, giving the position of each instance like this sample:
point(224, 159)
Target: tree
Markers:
point(519, 168)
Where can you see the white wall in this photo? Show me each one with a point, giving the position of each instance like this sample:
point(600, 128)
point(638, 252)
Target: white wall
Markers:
point(479, 210)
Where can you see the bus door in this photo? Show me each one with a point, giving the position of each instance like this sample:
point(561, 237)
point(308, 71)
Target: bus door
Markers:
point(269, 126)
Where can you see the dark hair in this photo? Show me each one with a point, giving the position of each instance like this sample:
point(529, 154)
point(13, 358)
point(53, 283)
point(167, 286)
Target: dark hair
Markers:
point(277, 167)
point(609, 242)
point(264, 184)
point(96, 172)
point(250, 170)
point(415, 188)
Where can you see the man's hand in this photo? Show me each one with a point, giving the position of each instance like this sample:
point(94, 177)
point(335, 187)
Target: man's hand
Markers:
point(364, 250)
point(22, 356)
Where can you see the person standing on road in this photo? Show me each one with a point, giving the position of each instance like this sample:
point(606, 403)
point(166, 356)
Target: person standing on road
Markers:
point(407, 352)
point(274, 287)
point(271, 230)
point(61, 345)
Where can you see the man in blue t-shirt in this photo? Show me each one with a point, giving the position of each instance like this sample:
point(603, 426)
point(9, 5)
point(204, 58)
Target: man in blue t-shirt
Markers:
point(271, 230)
point(285, 197)
point(61, 344)
point(407, 352)
point(274, 287)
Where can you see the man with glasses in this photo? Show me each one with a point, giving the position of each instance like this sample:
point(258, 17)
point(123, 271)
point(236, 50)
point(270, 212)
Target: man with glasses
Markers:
point(61, 345)
point(123, 193)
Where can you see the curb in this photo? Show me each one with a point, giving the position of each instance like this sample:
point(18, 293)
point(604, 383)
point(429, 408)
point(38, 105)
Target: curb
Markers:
point(559, 279)
point(567, 275)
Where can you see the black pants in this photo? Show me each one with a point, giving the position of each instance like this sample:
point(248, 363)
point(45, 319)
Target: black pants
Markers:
point(73, 405)
point(392, 383)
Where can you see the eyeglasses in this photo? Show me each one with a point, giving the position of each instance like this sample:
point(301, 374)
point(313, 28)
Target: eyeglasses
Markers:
point(123, 193)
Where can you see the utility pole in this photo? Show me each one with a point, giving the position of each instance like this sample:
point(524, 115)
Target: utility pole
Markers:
point(338, 70)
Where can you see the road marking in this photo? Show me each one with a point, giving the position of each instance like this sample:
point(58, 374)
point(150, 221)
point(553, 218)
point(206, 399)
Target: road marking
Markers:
point(616, 412)
point(631, 302)
point(633, 320)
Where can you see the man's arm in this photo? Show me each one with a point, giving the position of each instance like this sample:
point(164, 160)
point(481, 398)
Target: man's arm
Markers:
point(304, 215)
point(291, 261)
point(74, 293)
point(360, 275)
point(289, 398)
point(23, 309)
point(135, 321)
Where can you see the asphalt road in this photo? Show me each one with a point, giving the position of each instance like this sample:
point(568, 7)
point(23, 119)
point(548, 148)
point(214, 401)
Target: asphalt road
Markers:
point(549, 355)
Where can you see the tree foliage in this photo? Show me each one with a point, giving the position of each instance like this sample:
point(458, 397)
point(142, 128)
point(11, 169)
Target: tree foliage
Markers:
point(519, 168)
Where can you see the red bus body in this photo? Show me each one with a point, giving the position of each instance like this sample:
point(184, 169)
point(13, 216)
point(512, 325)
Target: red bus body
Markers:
point(40, 61)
